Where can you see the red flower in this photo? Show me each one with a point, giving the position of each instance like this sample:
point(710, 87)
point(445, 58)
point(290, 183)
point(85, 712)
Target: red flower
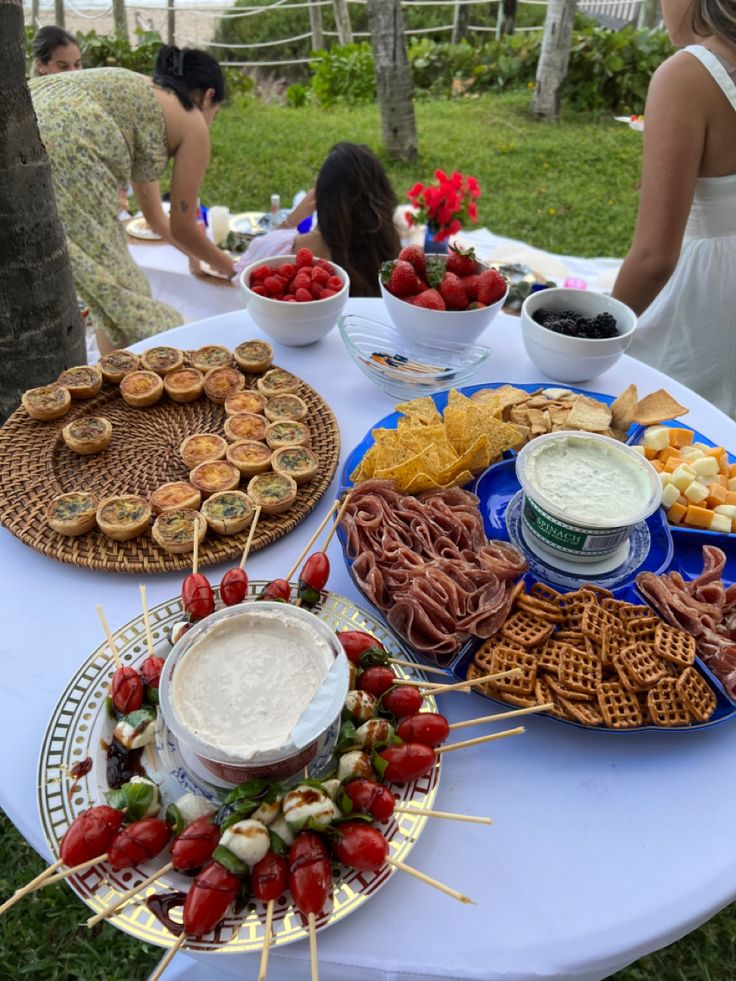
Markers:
point(444, 204)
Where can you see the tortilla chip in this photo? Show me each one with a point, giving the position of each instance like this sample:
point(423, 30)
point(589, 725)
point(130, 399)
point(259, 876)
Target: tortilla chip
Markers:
point(474, 459)
point(456, 419)
point(658, 407)
point(504, 397)
point(589, 415)
point(403, 472)
point(421, 482)
point(623, 408)
point(423, 410)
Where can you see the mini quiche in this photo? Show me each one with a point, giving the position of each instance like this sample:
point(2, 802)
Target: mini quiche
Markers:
point(286, 407)
point(221, 382)
point(273, 492)
point(141, 388)
point(123, 517)
point(278, 381)
point(202, 448)
point(184, 384)
point(176, 494)
point(88, 434)
point(253, 356)
point(83, 382)
point(228, 512)
point(72, 514)
point(175, 530)
point(246, 425)
point(217, 475)
point(296, 462)
point(117, 364)
point(249, 456)
point(248, 401)
point(162, 359)
point(47, 402)
point(286, 432)
point(211, 356)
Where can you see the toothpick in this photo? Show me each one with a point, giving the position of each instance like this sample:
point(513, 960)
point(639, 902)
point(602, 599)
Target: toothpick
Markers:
point(448, 890)
point(168, 957)
point(146, 620)
point(31, 886)
point(480, 739)
point(74, 869)
point(122, 900)
point(313, 946)
point(312, 540)
point(266, 942)
point(338, 519)
point(503, 715)
point(111, 643)
point(251, 533)
point(195, 552)
point(433, 689)
point(448, 815)
point(417, 667)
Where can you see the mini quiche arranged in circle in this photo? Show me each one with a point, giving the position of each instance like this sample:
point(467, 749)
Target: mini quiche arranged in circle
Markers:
point(278, 381)
point(248, 401)
point(253, 356)
point(297, 462)
point(72, 514)
point(273, 492)
point(46, 402)
point(202, 448)
point(184, 384)
point(228, 512)
point(246, 425)
point(175, 530)
point(175, 494)
point(83, 382)
point(124, 516)
point(162, 360)
point(217, 475)
point(117, 364)
point(249, 456)
point(87, 435)
point(141, 388)
point(286, 432)
point(286, 407)
point(219, 383)
point(211, 356)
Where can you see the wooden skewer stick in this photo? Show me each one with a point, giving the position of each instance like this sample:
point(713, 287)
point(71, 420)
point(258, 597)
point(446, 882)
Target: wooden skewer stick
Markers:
point(433, 689)
point(313, 946)
point(31, 886)
point(502, 715)
point(448, 890)
point(111, 643)
point(146, 620)
point(126, 896)
point(481, 739)
point(251, 533)
point(337, 521)
point(73, 870)
point(449, 815)
point(312, 540)
point(195, 552)
point(266, 942)
point(417, 667)
point(168, 957)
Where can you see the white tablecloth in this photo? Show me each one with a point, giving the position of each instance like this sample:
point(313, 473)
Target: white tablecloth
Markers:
point(604, 847)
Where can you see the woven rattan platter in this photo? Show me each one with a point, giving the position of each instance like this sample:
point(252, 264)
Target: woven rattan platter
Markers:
point(36, 465)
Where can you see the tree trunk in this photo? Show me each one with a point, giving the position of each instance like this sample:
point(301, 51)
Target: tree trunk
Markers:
point(342, 21)
point(506, 23)
point(35, 4)
point(315, 25)
point(553, 58)
point(460, 22)
point(120, 19)
point(650, 15)
point(170, 22)
point(59, 18)
point(40, 330)
point(393, 78)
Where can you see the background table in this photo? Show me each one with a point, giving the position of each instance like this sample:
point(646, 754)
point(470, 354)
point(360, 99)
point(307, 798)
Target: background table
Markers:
point(604, 846)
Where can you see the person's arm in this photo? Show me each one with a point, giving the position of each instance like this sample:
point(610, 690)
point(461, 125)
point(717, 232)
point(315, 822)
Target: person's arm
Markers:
point(148, 196)
point(674, 138)
point(304, 209)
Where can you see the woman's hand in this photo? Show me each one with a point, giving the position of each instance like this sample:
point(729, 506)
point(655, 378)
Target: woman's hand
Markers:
point(304, 209)
point(195, 267)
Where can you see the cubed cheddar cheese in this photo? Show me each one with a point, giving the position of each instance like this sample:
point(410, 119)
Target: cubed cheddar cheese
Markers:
point(716, 495)
point(719, 522)
point(723, 463)
point(670, 495)
point(698, 517)
point(731, 486)
point(715, 451)
point(706, 466)
point(680, 437)
point(649, 453)
point(676, 513)
point(730, 497)
point(673, 463)
point(732, 470)
point(696, 492)
point(668, 453)
point(658, 465)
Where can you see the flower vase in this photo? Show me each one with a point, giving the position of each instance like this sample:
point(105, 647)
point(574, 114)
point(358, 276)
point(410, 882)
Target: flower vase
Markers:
point(433, 245)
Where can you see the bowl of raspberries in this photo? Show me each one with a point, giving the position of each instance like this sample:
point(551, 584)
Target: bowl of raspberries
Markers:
point(574, 335)
point(451, 297)
point(295, 299)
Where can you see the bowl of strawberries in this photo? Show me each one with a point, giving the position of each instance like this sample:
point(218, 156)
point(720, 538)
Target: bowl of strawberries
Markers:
point(295, 299)
point(451, 297)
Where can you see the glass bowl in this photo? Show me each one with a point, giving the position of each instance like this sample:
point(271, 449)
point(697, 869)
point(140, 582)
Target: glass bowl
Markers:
point(407, 368)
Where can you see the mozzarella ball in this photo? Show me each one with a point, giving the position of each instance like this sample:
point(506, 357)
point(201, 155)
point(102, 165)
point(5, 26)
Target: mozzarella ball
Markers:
point(247, 840)
point(361, 705)
point(266, 813)
point(308, 802)
point(374, 731)
point(192, 806)
point(354, 764)
point(279, 827)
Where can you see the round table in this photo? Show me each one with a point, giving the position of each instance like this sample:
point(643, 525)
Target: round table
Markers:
point(604, 847)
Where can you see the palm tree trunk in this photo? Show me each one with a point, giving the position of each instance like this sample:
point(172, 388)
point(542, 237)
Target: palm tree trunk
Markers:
point(553, 58)
point(460, 21)
point(120, 19)
point(170, 22)
point(649, 15)
point(342, 21)
point(393, 78)
point(59, 18)
point(40, 330)
point(315, 25)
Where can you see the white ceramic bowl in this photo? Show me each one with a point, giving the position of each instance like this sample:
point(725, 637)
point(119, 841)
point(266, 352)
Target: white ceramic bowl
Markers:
point(439, 326)
point(293, 324)
point(574, 359)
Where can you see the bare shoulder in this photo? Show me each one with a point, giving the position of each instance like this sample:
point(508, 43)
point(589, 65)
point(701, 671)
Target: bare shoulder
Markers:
point(682, 76)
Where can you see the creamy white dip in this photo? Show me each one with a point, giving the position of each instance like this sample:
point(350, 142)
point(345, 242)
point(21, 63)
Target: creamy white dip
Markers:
point(246, 682)
point(587, 479)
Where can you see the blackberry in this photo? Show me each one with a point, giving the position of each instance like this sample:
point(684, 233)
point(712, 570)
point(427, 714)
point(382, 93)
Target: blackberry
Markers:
point(573, 324)
point(563, 325)
point(606, 325)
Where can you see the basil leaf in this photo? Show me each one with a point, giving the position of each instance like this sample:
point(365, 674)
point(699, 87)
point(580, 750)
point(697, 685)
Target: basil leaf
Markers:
point(374, 655)
point(230, 814)
point(229, 861)
point(308, 595)
point(133, 798)
point(354, 817)
point(379, 764)
point(347, 737)
point(174, 818)
point(151, 695)
point(139, 719)
point(250, 790)
point(345, 803)
point(278, 845)
point(116, 799)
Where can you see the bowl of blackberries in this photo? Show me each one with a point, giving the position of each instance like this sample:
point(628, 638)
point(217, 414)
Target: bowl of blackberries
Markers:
point(574, 335)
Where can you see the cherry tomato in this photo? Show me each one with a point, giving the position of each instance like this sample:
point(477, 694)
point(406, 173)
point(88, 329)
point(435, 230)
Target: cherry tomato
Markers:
point(359, 846)
point(209, 899)
point(310, 873)
point(195, 845)
point(376, 680)
point(369, 797)
point(429, 728)
point(407, 762)
point(268, 879)
point(234, 586)
point(126, 690)
point(277, 589)
point(316, 571)
point(138, 843)
point(90, 835)
point(197, 596)
point(402, 700)
point(151, 671)
point(355, 643)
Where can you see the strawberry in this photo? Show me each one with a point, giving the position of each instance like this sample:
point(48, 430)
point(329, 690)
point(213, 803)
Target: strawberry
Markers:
point(303, 258)
point(491, 286)
point(429, 299)
point(462, 262)
point(453, 292)
point(399, 278)
point(470, 283)
point(414, 255)
point(303, 296)
point(475, 305)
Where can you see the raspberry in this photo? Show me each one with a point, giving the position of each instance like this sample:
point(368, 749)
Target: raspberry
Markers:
point(303, 296)
point(334, 283)
point(320, 275)
point(259, 290)
point(303, 258)
point(273, 285)
point(327, 266)
point(327, 293)
point(301, 283)
point(287, 271)
point(260, 273)
point(289, 299)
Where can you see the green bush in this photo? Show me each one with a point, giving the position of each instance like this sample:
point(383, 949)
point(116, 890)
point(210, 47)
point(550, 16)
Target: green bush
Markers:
point(99, 51)
point(344, 74)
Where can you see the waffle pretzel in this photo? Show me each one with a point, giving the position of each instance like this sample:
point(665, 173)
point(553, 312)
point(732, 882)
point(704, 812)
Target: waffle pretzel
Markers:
point(600, 591)
point(586, 713)
point(620, 708)
point(631, 611)
point(508, 658)
point(612, 641)
point(522, 701)
point(642, 629)
point(544, 609)
point(526, 629)
point(544, 694)
point(638, 667)
point(579, 671)
point(542, 591)
point(665, 705)
point(674, 644)
point(562, 691)
point(596, 619)
point(548, 658)
point(696, 693)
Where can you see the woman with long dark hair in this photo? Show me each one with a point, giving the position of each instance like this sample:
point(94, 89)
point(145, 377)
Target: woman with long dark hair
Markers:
point(55, 50)
point(105, 127)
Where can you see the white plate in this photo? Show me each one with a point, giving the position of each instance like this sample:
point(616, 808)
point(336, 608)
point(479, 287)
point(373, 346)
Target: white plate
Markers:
point(139, 228)
point(246, 223)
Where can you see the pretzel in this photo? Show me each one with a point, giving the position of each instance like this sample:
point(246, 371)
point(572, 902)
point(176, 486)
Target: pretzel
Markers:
point(614, 606)
point(526, 629)
point(506, 659)
point(674, 644)
point(665, 705)
point(620, 708)
point(631, 611)
point(585, 712)
point(696, 693)
point(638, 667)
point(642, 628)
point(541, 608)
point(575, 638)
point(544, 694)
point(579, 671)
point(573, 605)
point(523, 701)
point(595, 619)
point(600, 591)
point(544, 592)
point(562, 691)
point(612, 641)
point(548, 658)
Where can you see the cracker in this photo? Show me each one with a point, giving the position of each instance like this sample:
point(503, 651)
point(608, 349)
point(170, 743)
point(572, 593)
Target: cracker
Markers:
point(674, 644)
point(588, 415)
point(665, 705)
point(658, 407)
point(620, 708)
point(696, 693)
point(624, 408)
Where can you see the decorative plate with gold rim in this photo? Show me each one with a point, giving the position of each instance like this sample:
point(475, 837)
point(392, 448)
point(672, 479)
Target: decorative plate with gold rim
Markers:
point(79, 728)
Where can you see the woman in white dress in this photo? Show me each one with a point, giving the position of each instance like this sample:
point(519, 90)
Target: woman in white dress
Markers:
point(680, 273)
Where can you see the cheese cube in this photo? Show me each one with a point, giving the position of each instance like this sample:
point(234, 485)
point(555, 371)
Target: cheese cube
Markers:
point(656, 438)
point(698, 517)
point(701, 446)
point(676, 513)
point(716, 495)
point(673, 463)
point(719, 522)
point(731, 484)
point(683, 476)
point(732, 470)
point(649, 453)
point(707, 466)
point(696, 492)
point(667, 454)
point(665, 478)
point(728, 509)
point(638, 448)
point(683, 500)
point(669, 496)
point(680, 437)
point(724, 464)
point(691, 453)
point(657, 464)
point(715, 451)
point(730, 496)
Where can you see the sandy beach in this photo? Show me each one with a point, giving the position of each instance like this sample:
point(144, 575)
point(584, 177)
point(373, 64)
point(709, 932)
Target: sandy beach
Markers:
point(193, 28)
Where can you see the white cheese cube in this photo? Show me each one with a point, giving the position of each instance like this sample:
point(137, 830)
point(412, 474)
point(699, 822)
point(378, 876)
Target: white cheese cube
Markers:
point(683, 476)
point(638, 448)
point(656, 438)
point(706, 466)
point(728, 509)
point(665, 478)
point(696, 492)
point(732, 483)
point(669, 496)
point(701, 446)
point(690, 453)
point(720, 522)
